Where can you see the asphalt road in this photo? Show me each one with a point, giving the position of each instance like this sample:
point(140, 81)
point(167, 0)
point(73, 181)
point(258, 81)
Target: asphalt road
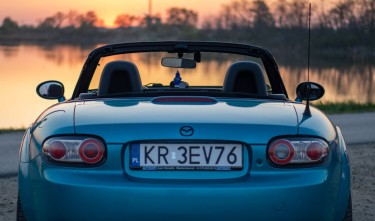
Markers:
point(357, 129)
point(9, 146)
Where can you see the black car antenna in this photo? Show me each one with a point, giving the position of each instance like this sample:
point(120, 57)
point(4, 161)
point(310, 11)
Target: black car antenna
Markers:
point(307, 111)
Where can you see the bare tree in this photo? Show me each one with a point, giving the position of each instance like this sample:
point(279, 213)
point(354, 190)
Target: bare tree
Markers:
point(90, 19)
point(47, 23)
point(343, 14)
point(280, 13)
point(71, 19)
point(262, 15)
point(237, 14)
point(323, 18)
point(367, 14)
point(59, 18)
point(55, 21)
point(296, 14)
point(182, 17)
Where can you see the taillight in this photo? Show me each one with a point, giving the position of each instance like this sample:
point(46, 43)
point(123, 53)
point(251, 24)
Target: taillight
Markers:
point(281, 152)
point(57, 150)
point(74, 149)
point(315, 151)
point(91, 151)
point(297, 151)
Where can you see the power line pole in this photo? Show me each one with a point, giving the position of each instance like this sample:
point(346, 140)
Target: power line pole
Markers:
point(149, 8)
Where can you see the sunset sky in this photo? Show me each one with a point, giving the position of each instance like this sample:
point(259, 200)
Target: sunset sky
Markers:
point(31, 12)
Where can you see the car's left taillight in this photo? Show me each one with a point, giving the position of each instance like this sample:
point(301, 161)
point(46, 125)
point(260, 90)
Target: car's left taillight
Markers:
point(72, 149)
point(298, 151)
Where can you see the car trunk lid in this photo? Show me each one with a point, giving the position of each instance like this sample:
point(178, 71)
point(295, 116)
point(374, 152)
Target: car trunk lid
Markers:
point(243, 120)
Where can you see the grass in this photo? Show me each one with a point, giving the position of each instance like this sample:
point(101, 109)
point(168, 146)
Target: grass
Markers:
point(345, 107)
point(10, 130)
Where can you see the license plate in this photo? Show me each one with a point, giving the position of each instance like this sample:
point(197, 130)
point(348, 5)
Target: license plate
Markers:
point(148, 156)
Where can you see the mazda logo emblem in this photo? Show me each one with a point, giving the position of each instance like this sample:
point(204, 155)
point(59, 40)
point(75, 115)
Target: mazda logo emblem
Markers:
point(186, 131)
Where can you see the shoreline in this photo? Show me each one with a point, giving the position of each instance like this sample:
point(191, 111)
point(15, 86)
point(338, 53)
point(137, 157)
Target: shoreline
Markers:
point(357, 53)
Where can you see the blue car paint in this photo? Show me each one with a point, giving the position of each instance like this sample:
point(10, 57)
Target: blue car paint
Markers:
point(105, 193)
point(119, 121)
point(344, 183)
point(58, 119)
point(258, 192)
point(317, 125)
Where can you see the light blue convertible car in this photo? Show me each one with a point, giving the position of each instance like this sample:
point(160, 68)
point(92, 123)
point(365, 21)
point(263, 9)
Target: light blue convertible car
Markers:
point(182, 131)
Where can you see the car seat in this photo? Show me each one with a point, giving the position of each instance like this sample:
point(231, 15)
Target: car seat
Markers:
point(245, 77)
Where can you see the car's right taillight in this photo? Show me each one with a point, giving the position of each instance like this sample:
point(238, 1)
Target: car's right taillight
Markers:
point(298, 151)
point(74, 150)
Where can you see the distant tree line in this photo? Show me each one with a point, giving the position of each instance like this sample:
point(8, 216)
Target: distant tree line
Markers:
point(345, 14)
point(348, 26)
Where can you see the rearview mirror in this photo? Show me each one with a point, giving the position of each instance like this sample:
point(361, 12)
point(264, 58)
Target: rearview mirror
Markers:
point(312, 90)
point(51, 90)
point(178, 62)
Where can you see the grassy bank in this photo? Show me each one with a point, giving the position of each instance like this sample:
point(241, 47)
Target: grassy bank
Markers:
point(10, 130)
point(345, 107)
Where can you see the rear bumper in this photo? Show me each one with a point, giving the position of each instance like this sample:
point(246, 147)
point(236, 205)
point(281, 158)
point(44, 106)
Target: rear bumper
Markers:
point(179, 203)
point(79, 194)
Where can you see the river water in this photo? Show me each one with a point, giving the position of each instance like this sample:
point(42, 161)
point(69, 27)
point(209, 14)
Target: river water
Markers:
point(23, 67)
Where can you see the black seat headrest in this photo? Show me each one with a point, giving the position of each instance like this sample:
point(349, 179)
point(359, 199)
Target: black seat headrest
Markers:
point(245, 77)
point(119, 77)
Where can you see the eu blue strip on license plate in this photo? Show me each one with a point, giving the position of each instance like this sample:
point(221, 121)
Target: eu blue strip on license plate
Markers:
point(135, 155)
point(186, 156)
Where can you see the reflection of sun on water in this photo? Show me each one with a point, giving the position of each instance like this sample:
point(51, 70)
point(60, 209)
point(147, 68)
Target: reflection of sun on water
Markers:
point(24, 70)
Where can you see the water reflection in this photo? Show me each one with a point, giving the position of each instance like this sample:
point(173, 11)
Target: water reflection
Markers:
point(354, 83)
point(9, 51)
point(23, 67)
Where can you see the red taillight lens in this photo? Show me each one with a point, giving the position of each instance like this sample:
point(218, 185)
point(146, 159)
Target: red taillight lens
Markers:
point(57, 150)
point(281, 151)
point(314, 151)
point(74, 149)
point(298, 151)
point(91, 151)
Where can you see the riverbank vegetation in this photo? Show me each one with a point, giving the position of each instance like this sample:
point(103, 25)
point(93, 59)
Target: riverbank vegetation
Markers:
point(347, 27)
point(11, 130)
point(345, 107)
